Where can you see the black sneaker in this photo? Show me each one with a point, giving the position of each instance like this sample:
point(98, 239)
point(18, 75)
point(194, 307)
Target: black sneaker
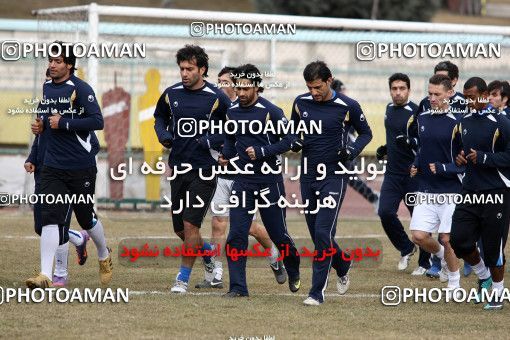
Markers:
point(232, 294)
point(494, 305)
point(215, 283)
point(485, 284)
point(294, 285)
point(279, 272)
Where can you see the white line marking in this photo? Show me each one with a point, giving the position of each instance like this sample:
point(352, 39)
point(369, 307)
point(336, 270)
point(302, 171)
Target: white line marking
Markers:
point(158, 292)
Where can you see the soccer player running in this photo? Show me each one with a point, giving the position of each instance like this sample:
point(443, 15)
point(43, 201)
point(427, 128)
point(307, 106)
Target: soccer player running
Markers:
point(191, 100)
point(438, 176)
point(458, 108)
point(397, 183)
point(499, 92)
point(257, 150)
point(69, 166)
point(33, 164)
point(357, 184)
point(336, 113)
point(486, 155)
point(221, 197)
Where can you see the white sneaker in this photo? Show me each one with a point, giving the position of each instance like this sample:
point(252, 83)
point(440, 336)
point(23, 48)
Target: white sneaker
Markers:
point(208, 270)
point(419, 271)
point(342, 284)
point(443, 274)
point(404, 260)
point(310, 301)
point(454, 293)
point(180, 287)
point(218, 271)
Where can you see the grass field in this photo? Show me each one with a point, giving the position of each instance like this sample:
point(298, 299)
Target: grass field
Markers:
point(271, 310)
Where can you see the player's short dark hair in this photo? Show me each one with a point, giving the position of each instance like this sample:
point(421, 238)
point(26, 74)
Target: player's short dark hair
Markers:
point(441, 79)
point(317, 70)
point(477, 82)
point(47, 72)
point(226, 70)
point(193, 52)
point(448, 66)
point(399, 76)
point(250, 72)
point(67, 53)
point(494, 85)
point(337, 85)
point(505, 91)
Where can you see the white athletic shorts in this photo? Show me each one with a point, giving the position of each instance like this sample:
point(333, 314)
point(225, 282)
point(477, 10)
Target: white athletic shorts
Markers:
point(222, 196)
point(432, 218)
